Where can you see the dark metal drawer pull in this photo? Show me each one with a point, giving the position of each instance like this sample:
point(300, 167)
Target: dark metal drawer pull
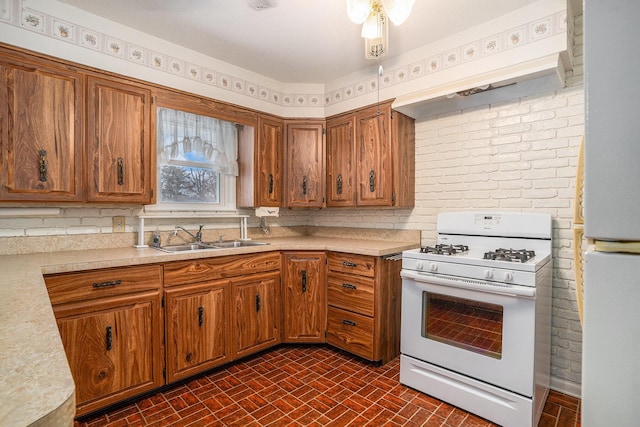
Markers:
point(257, 302)
point(372, 181)
point(348, 322)
point(304, 185)
point(339, 184)
point(107, 284)
point(349, 264)
point(270, 183)
point(120, 171)
point(200, 316)
point(349, 286)
point(42, 165)
point(109, 339)
point(304, 281)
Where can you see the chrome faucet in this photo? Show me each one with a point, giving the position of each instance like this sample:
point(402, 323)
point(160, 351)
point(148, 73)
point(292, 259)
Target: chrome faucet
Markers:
point(197, 237)
point(221, 239)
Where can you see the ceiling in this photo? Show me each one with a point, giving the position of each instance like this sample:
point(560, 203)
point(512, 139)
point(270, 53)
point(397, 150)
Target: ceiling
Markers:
point(294, 41)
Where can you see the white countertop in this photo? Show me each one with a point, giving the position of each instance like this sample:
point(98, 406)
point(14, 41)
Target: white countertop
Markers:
point(36, 387)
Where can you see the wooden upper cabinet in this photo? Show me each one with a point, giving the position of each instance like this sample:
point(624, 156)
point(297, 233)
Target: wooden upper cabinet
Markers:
point(374, 173)
point(119, 152)
point(269, 162)
point(41, 132)
point(304, 172)
point(371, 158)
point(341, 161)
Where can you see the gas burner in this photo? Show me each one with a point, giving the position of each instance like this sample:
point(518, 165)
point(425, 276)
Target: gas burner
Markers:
point(441, 249)
point(517, 255)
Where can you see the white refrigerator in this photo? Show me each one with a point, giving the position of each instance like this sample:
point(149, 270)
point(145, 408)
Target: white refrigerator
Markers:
point(611, 328)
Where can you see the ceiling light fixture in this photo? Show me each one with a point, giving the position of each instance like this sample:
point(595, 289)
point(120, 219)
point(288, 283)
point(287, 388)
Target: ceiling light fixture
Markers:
point(372, 14)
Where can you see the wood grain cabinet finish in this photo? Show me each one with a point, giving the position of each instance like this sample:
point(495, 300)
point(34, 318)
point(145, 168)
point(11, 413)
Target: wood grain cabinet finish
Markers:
point(197, 328)
point(256, 317)
point(304, 296)
point(260, 159)
point(304, 170)
point(341, 161)
point(113, 343)
point(364, 294)
point(40, 131)
point(371, 158)
point(119, 152)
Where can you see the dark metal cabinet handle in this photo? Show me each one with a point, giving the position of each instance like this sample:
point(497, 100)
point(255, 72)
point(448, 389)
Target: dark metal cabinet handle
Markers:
point(304, 185)
point(372, 181)
point(200, 316)
point(109, 339)
point(120, 171)
point(339, 184)
point(304, 280)
point(349, 286)
point(42, 165)
point(270, 183)
point(107, 284)
point(348, 322)
point(257, 303)
point(349, 264)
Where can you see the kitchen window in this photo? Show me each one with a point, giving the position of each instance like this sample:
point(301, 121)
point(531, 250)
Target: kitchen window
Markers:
point(196, 162)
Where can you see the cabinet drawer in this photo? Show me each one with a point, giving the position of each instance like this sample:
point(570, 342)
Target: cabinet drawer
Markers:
point(362, 265)
point(69, 287)
point(183, 272)
point(351, 332)
point(351, 292)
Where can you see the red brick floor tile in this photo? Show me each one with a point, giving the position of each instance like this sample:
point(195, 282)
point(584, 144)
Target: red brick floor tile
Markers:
point(306, 386)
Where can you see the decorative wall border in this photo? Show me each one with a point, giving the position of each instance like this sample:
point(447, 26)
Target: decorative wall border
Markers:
point(61, 29)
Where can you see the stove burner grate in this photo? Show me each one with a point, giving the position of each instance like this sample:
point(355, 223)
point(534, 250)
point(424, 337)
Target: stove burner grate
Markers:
point(516, 255)
point(441, 249)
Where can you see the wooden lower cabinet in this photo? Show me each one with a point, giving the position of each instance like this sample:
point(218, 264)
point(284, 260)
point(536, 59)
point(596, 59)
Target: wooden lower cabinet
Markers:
point(364, 296)
point(305, 296)
point(197, 328)
point(113, 347)
point(256, 305)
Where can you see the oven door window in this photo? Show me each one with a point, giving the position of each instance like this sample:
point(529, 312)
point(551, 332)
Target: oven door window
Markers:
point(471, 325)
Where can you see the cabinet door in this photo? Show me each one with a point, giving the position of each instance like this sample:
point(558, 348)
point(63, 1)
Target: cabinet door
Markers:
point(374, 175)
point(341, 166)
point(256, 312)
point(118, 142)
point(41, 133)
point(305, 300)
point(197, 319)
point(113, 348)
point(304, 178)
point(269, 152)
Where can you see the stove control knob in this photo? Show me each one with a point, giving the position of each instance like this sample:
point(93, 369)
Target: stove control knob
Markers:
point(488, 274)
point(433, 267)
point(419, 265)
point(508, 276)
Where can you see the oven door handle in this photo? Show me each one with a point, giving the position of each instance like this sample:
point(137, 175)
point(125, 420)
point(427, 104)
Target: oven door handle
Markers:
point(475, 285)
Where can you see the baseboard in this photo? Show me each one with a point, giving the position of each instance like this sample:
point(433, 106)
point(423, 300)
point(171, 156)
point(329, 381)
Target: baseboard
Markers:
point(566, 387)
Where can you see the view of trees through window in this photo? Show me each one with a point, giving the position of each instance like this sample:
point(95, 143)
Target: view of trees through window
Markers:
point(187, 184)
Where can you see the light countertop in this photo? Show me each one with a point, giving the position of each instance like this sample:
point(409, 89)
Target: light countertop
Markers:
point(36, 387)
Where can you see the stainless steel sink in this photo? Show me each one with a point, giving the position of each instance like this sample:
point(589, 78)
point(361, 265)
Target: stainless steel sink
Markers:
point(236, 243)
point(186, 247)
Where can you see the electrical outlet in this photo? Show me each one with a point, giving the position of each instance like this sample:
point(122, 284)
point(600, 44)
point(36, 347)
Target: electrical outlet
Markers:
point(118, 224)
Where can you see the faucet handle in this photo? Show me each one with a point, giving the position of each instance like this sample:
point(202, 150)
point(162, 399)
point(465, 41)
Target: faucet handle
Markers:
point(221, 239)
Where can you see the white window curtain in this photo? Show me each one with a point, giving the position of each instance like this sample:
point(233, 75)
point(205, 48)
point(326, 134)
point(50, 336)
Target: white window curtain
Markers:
point(193, 140)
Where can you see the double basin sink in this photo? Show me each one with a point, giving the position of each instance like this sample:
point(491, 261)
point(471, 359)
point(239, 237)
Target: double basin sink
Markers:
point(187, 247)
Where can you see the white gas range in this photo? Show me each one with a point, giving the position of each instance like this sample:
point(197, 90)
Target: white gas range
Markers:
point(476, 314)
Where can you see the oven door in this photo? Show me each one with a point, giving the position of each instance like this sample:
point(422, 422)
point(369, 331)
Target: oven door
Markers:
point(479, 329)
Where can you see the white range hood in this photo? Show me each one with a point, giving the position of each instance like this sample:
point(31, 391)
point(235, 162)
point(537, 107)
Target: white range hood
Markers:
point(522, 79)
